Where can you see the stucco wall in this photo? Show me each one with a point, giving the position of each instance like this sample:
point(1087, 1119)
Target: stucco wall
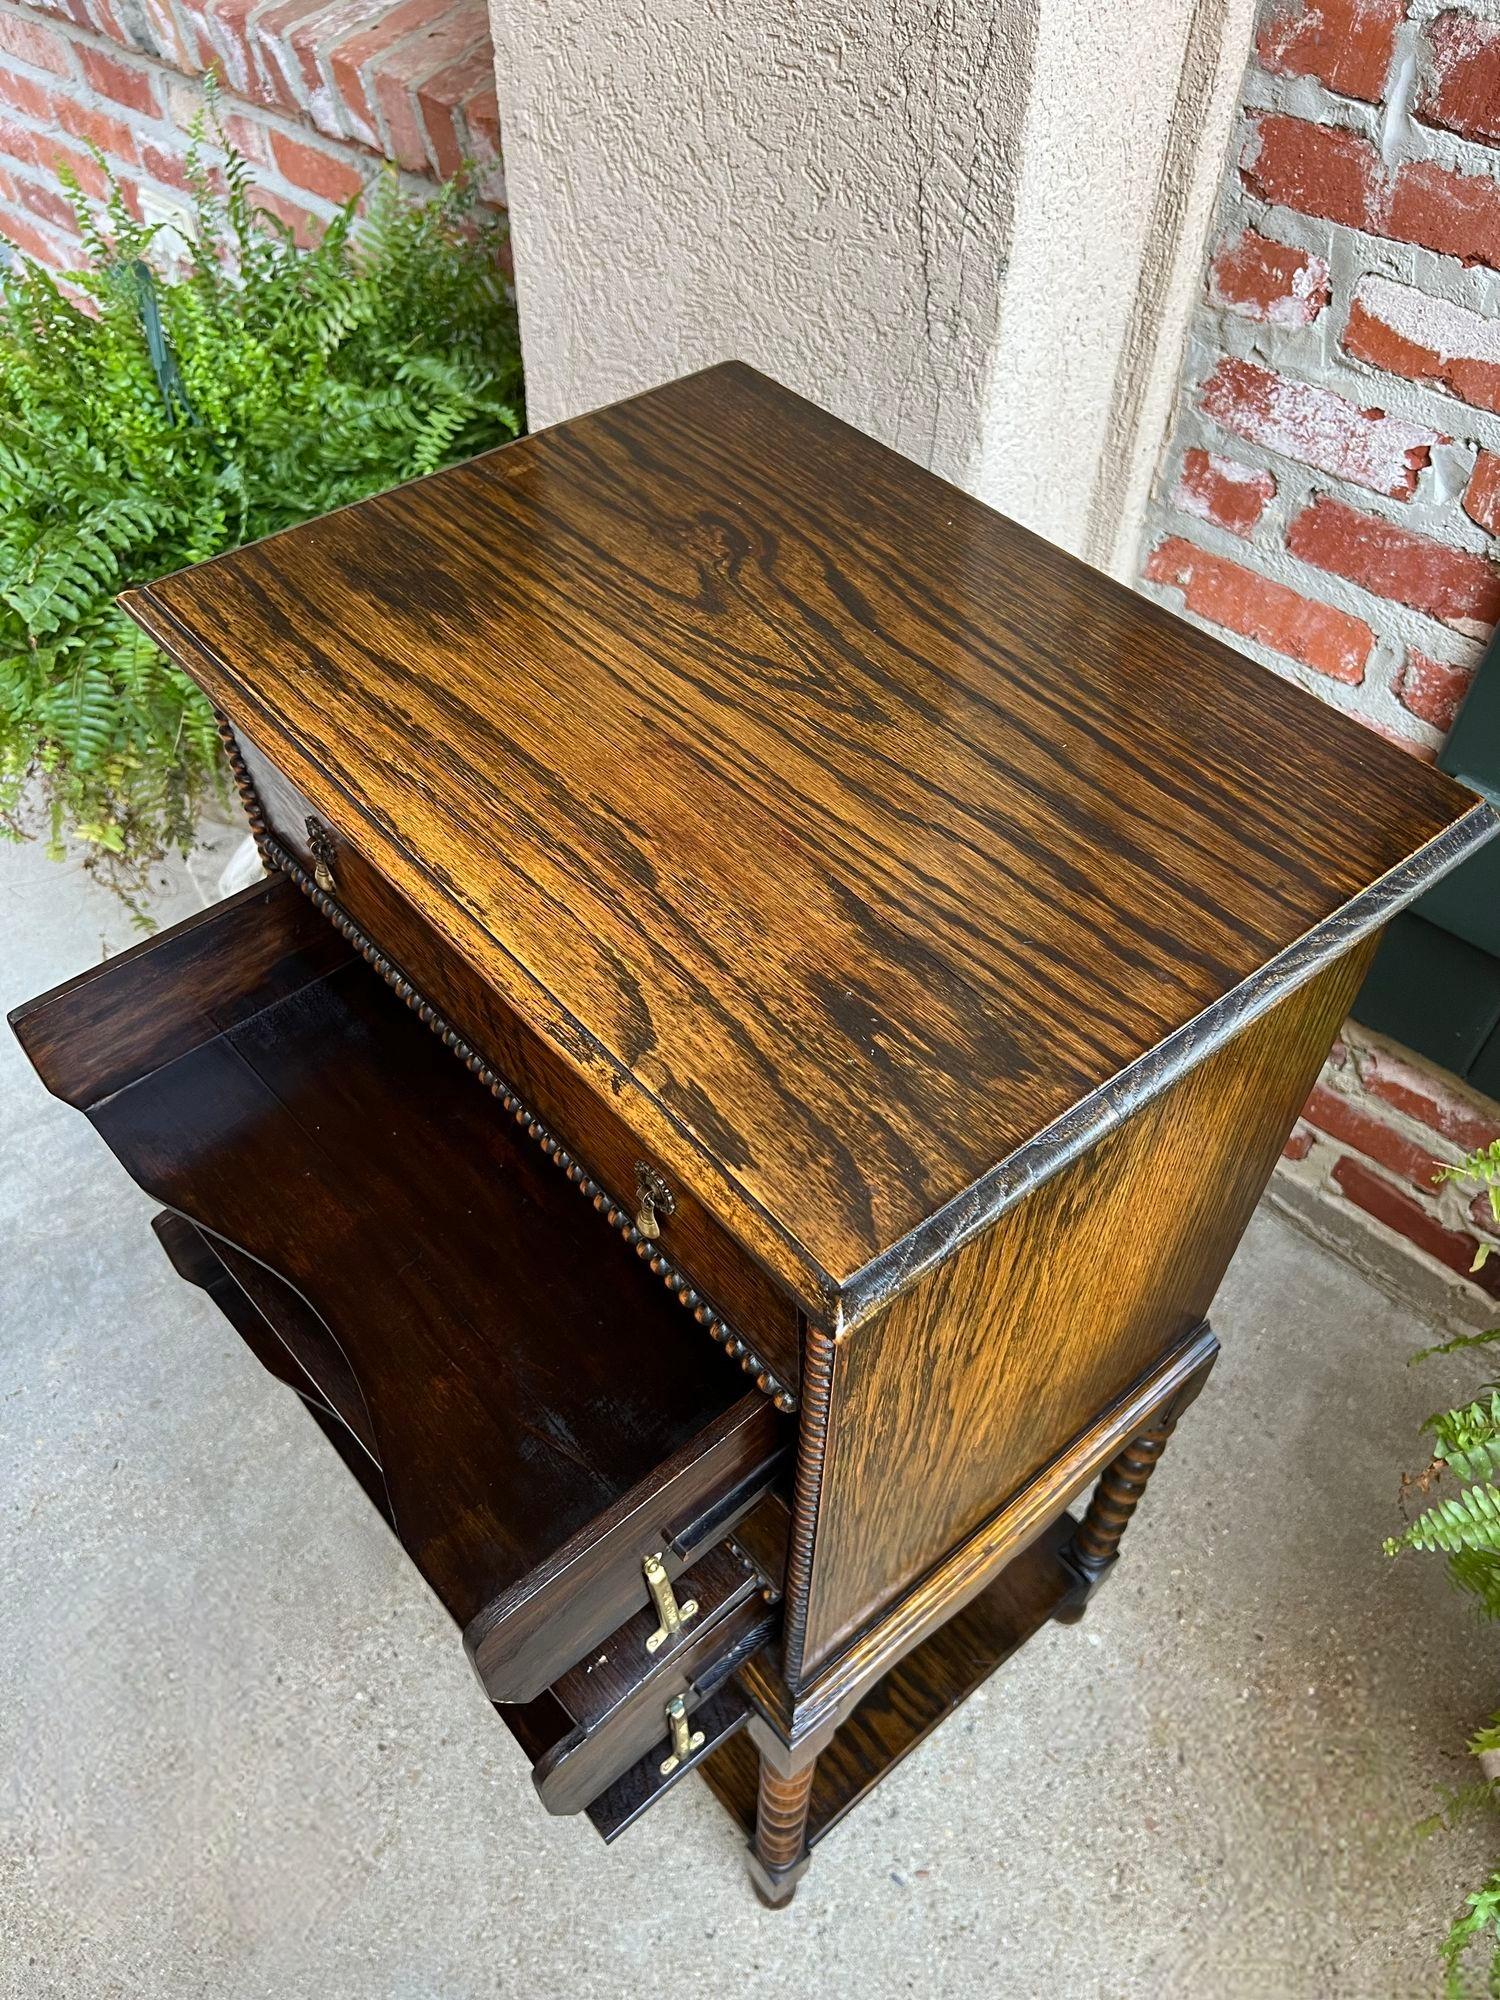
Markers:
point(972, 230)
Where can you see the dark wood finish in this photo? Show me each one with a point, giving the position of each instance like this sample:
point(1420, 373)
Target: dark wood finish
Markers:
point(862, 849)
point(756, 1311)
point(1016, 1341)
point(1095, 1546)
point(86, 1041)
point(214, 1268)
point(822, 1701)
point(616, 1697)
point(914, 947)
point(780, 1844)
point(904, 1707)
point(543, 1414)
point(722, 1716)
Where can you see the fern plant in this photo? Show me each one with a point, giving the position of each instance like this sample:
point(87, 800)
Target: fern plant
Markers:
point(189, 391)
point(1465, 1528)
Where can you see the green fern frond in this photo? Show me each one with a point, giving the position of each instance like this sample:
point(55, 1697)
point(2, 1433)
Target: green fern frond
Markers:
point(1476, 1572)
point(152, 416)
point(1481, 1918)
point(1471, 1521)
point(1467, 1441)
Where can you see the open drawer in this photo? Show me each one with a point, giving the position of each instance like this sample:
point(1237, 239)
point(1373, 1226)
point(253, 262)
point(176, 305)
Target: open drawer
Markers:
point(544, 1418)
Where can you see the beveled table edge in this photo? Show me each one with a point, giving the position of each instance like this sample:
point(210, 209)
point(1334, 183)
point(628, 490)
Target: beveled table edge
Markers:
point(836, 1304)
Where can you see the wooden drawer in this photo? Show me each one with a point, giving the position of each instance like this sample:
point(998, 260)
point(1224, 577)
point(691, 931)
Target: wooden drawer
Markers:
point(735, 1298)
point(616, 1708)
point(542, 1413)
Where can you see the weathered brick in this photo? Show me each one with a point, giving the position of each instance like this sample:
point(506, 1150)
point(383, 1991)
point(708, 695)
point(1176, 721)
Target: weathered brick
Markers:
point(287, 39)
point(402, 74)
point(1456, 214)
point(439, 99)
point(1260, 279)
point(1345, 44)
point(227, 24)
point(110, 135)
point(354, 59)
point(47, 203)
point(168, 168)
point(35, 43)
point(1241, 600)
point(1430, 1096)
point(25, 95)
point(1432, 689)
point(1482, 500)
point(33, 243)
point(1461, 88)
point(1348, 1122)
point(1407, 1217)
point(1221, 490)
point(1316, 169)
point(168, 39)
point(126, 83)
point(1406, 332)
point(315, 168)
point(306, 226)
point(251, 136)
point(1299, 1145)
point(1318, 427)
point(1324, 170)
point(1454, 585)
point(482, 117)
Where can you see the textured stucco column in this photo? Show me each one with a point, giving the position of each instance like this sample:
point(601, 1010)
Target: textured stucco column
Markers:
point(971, 229)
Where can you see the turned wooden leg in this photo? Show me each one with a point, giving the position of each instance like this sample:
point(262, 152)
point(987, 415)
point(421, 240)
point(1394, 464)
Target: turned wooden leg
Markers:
point(1096, 1541)
point(778, 1859)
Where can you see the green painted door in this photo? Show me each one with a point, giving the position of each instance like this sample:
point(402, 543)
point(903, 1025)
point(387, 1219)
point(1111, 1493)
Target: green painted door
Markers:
point(1435, 981)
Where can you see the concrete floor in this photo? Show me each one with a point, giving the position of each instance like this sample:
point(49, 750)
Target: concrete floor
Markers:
point(241, 1753)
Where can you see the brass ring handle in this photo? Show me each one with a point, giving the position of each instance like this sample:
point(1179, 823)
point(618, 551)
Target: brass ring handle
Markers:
point(320, 846)
point(655, 1201)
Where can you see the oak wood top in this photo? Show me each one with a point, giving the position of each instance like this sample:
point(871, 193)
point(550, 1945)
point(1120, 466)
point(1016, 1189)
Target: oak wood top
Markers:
point(874, 854)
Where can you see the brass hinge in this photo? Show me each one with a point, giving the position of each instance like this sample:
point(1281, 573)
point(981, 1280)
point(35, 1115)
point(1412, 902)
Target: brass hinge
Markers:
point(683, 1742)
point(673, 1615)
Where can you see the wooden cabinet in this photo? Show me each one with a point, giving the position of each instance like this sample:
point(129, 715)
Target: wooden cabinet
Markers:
point(776, 995)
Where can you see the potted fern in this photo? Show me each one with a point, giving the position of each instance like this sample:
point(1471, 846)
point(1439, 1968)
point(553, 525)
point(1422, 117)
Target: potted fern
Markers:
point(1464, 1526)
point(188, 392)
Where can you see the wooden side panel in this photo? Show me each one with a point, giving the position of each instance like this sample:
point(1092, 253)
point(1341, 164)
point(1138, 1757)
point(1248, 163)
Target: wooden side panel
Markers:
point(948, 1400)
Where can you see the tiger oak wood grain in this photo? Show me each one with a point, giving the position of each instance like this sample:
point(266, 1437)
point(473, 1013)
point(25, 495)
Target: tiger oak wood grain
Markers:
point(1015, 1342)
point(591, 1129)
point(858, 846)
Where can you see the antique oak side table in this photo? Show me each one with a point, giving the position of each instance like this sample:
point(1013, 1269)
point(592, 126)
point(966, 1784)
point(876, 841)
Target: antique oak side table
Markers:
point(776, 994)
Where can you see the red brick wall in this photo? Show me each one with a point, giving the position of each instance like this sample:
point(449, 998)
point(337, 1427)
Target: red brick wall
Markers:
point(315, 92)
point(1330, 499)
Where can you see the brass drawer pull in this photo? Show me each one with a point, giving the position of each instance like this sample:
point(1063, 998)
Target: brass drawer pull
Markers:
point(683, 1743)
point(655, 1199)
point(673, 1615)
point(320, 847)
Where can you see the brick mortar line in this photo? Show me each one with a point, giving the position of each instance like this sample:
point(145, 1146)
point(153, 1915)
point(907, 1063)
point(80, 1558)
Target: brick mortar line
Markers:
point(170, 136)
point(1304, 98)
point(164, 76)
point(1321, 586)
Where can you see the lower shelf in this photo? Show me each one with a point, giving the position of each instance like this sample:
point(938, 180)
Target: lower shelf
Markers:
point(904, 1707)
